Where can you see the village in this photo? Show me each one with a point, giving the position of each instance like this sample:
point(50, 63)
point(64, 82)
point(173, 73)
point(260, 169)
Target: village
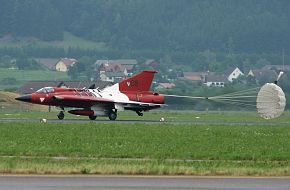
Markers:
point(109, 72)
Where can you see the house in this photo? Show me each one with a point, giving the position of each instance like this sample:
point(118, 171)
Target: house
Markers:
point(115, 70)
point(128, 64)
point(263, 75)
point(56, 64)
point(112, 67)
point(215, 80)
point(32, 86)
point(112, 76)
point(233, 73)
point(192, 76)
point(47, 63)
point(212, 79)
point(63, 64)
point(151, 63)
point(165, 86)
point(277, 68)
point(261, 72)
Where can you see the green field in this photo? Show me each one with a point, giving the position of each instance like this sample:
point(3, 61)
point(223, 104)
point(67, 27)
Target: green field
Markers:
point(153, 149)
point(69, 41)
point(23, 76)
point(164, 141)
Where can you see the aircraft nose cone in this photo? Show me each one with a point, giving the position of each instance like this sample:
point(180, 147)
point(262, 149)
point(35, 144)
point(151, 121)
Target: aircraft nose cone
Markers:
point(25, 98)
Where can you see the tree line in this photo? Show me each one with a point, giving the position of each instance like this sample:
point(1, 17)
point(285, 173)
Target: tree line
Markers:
point(177, 61)
point(248, 26)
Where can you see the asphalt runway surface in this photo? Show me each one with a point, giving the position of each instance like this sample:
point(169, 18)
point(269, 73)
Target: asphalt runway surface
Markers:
point(143, 122)
point(140, 183)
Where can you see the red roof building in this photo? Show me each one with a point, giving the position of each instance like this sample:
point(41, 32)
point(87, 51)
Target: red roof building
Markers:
point(165, 85)
point(64, 64)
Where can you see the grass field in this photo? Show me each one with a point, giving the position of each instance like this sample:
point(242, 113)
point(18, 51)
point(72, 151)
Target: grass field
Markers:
point(210, 142)
point(158, 149)
point(23, 76)
point(69, 41)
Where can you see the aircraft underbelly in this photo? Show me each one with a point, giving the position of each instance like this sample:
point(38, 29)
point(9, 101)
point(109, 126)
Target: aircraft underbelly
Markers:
point(101, 110)
point(140, 107)
point(75, 105)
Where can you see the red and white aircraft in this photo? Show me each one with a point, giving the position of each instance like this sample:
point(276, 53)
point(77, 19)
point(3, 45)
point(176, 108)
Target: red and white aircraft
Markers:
point(130, 94)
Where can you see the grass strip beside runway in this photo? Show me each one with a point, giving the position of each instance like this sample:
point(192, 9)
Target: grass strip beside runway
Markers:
point(175, 116)
point(223, 149)
point(143, 167)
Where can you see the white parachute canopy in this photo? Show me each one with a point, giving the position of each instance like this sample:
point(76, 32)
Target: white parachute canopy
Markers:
point(271, 101)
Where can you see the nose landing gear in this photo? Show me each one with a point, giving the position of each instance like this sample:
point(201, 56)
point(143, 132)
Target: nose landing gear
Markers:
point(60, 115)
point(92, 117)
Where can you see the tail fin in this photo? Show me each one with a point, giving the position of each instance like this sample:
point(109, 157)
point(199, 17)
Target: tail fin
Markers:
point(139, 82)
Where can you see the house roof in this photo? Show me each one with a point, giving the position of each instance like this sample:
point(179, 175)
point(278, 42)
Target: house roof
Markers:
point(193, 76)
point(47, 62)
point(31, 86)
point(277, 67)
point(263, 72)
point(68, 61)
point(230, 71)
point(151, 62)
point(114, 74)
point(129, 64)
point(166, 85)
point(112, 67)
point(215, 78)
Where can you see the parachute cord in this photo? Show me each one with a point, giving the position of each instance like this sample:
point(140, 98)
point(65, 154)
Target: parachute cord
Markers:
point(236, 103)
point(242, 92)
point(233, 100)
point(229, 97)
point(178, 96)
point(238, 94)
point(245, 98)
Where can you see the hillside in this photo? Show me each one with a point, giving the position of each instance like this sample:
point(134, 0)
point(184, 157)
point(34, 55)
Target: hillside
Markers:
point(8, 103)
point(69, 41)
point(12, 79)
point(225, 26)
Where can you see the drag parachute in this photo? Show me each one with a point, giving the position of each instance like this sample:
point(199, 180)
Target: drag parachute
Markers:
point(271, 101)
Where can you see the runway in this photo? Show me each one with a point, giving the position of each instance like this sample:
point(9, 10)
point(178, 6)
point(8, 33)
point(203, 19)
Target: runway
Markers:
point(144, 122)
point(140, 183)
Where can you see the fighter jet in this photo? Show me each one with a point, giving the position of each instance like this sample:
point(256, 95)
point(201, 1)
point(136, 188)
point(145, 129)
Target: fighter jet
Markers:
point(130, 94)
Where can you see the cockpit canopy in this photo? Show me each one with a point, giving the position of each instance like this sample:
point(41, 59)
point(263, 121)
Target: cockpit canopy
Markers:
point(45, 90)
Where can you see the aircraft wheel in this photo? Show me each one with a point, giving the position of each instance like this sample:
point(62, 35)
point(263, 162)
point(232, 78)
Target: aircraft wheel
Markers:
point(139, 113)
point(60, 115)
point(112, 115)
point(93, 117)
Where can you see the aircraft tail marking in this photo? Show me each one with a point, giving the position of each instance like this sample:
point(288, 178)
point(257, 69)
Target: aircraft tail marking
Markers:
point(139, 82)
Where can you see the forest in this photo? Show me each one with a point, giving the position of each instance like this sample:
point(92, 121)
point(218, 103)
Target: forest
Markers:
point(227, 26)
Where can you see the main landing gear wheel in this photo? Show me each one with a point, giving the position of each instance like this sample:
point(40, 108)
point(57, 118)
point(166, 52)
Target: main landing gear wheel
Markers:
point(139, 113)
point(112, 115)
point(60, 115)
point(93, 117)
